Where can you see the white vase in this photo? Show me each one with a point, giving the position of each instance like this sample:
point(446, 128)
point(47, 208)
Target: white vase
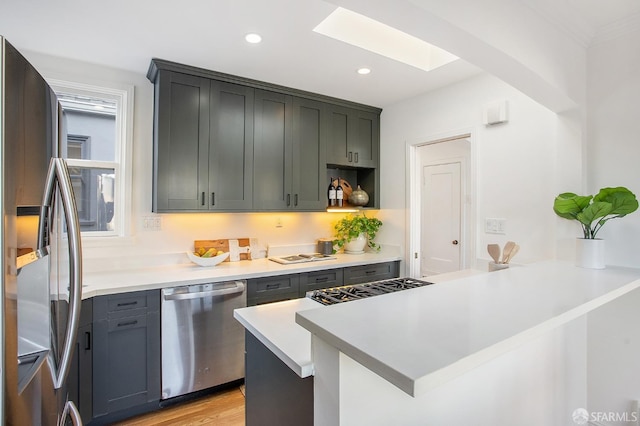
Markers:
point(356, 246)
point(590, 253)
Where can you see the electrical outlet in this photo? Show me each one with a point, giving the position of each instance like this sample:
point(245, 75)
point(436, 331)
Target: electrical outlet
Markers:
point(279, 223)
point(495, 225)
point(151, 223)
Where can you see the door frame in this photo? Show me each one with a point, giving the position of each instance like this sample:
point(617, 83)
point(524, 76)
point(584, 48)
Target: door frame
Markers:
point(469, 191)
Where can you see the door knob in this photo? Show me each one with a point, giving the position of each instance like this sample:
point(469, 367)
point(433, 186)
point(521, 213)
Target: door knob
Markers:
point(454, 242)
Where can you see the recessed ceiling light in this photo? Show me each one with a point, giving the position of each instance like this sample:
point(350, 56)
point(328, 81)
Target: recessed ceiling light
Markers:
point(364, 71)
point(366, 33)
point(253, 38)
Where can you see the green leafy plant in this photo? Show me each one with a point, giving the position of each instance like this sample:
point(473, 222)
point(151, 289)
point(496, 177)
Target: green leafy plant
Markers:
point(348, 228)
point(594, 211)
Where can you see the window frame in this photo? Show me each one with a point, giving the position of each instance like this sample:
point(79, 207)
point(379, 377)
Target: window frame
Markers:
point(123, 96)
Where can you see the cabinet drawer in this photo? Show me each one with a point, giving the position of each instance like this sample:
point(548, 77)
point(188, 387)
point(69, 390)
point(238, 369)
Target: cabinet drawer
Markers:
point(126, 304)
point(272, 289)
point(374, 272)
point(320, 279)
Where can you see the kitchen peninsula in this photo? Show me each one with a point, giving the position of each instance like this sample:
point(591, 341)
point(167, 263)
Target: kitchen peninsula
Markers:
point(483, 349)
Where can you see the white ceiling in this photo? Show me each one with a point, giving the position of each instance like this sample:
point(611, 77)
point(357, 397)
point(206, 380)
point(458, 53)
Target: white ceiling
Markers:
point(210, 34)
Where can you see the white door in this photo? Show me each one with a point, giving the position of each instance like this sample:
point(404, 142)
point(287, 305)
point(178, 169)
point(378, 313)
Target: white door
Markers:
point(440, 218)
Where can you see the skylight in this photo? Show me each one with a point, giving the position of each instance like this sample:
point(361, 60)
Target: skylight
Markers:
point(366, 33)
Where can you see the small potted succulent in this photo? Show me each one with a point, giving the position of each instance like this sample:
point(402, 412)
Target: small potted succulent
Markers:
point(354, 232)
point(592, 212)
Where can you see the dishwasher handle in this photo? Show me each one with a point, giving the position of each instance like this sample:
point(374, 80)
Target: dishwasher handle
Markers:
point(238, 288)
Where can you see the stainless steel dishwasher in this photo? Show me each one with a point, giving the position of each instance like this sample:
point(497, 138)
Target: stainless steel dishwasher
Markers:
point(202, 344)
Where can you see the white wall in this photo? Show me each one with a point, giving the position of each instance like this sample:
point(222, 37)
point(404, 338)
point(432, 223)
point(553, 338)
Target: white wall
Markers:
point(516, 170)
point(613, 148)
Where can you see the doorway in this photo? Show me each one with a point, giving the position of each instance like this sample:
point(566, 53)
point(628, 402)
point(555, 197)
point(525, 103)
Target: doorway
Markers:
point(441, 232)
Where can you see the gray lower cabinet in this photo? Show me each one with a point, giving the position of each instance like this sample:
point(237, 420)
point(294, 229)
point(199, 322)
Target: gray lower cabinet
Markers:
point(286, 287)
point(272, 289)
point(275, 395)
point(126, 355)
point(80, 378)
point(372, 272)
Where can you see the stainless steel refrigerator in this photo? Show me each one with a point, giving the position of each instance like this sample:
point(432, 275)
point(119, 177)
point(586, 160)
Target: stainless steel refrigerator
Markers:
point(41, 253)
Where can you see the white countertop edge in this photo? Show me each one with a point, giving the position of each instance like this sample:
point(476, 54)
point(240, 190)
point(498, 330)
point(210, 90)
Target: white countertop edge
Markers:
point(418, 386)
point(304, 369)
point(102, 283)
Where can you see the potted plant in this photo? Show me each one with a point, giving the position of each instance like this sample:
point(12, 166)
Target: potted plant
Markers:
point(592, 212)
point(353, 232)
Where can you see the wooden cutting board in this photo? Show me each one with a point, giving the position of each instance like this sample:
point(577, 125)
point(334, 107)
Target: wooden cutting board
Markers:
point(240, 248)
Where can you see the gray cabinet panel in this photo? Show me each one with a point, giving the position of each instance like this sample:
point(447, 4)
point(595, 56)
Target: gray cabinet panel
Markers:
point(309, 165)
point(272, 289)
point(355, 137)
point(231, 147)
point(272, 151)
point(373, 272)
point(126, 354)
point(182, 142)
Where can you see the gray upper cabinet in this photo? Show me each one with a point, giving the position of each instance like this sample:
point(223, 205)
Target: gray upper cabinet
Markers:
point(181, 148)
point(227, 143)
point(309, 146)
point(273, 151)
point(231, 147)
point(354, 137)
point(203, 152)
point(289, 153)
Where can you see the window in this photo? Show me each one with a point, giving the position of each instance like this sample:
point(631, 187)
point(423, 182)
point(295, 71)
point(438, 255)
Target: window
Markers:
point(97, 123)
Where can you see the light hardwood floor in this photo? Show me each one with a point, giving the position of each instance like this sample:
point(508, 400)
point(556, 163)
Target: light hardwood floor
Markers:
point(223, 408)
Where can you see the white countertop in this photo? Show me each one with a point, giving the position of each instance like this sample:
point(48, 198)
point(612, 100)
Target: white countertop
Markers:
point(116, 280)
point(274, 325)
point(420, 338)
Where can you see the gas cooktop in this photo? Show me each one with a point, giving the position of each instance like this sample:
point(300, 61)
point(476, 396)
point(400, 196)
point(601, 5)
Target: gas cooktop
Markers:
point(331, 296)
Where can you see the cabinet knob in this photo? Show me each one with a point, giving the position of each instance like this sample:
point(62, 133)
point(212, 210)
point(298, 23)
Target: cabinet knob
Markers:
point(202, 201)
point(350, 156)
point(213, 198)
point(454, 242)
point(356, 157)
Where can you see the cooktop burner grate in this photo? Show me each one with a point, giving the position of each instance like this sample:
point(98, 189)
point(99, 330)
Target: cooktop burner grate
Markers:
point(331, 296)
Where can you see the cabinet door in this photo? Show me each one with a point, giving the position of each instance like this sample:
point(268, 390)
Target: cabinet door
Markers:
point(338, 128)
point(80, 378)
point(354, 137)
point(320, 279)
point(365, 140)
point(126, 353)
point(231, 147)
point(181, 150)
point(272, 151)
point(309, 164)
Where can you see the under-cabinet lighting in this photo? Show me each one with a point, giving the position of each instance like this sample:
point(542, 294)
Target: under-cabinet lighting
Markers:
point(374, 36)
point(342, 210)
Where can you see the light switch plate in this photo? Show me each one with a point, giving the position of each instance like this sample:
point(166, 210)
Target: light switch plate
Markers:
point(494, 225)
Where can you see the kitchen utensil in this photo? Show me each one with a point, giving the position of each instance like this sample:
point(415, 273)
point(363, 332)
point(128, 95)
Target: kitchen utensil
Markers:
point(494, 252)
point(507, 251)
point(513, 252)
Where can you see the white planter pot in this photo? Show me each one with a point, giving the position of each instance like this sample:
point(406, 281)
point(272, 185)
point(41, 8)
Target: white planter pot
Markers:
point(356, 246)
point(590, 253)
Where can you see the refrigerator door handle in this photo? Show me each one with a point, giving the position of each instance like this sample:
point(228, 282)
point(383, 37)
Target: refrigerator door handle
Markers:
point(71, 410)
point(47, 199)
point(75, 268)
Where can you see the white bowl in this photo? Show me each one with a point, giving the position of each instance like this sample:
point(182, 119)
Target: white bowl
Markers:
point(207, 261)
